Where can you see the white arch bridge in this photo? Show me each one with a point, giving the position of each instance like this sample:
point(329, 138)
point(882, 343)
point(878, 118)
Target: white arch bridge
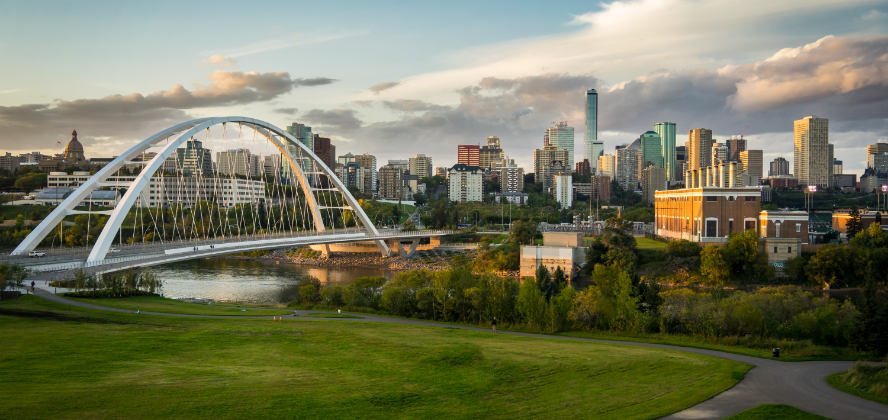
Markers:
point(173, 199)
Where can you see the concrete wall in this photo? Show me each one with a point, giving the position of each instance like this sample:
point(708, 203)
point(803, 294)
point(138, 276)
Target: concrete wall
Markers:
point(568, 258)
point(562, 239)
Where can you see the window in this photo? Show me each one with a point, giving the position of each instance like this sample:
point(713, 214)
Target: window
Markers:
point(711, 198)
point(749, 225)
point(775, 249)
point(789, 250)
point(750, 198)
point(711, 228)
point(798, 227)
point(730, 226)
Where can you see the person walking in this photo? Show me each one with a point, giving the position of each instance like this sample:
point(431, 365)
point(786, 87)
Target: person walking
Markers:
point(494, 324)
point(32, 286)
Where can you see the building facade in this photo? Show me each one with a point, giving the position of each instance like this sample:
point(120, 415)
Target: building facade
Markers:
point(752, 164)
point(607, 166)
point(779, 166)
point(468, 154)
point(651, 150)
point(9, 163)
point(543, 160)
point(421, 166)
point(391, 183)
point(584, 168)
point(368, 162)
point(564, 190)
point(592, 147)
point(562, 137)
point(511, 179)
point(238, 162)
point(324, 150)
point(699, 148)
point(706, 214)
point(489, 157)
point(653, 178)
point(666, 131)
point(466, 183)
point(736, 145)
point(811, 163)
point(627, 165)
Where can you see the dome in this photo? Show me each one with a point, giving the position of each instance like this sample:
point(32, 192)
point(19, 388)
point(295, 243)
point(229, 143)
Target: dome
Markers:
point(74, 145)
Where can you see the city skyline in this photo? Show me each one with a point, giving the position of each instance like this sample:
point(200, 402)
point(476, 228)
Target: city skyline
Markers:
point(513, 79)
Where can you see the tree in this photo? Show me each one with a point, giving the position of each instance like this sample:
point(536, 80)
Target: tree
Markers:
point(12, 275)
point(870, 329)
point(524, 232)
point(829, 265)
point(854, 224)
point(713, 264)
point(871, 237)
point(625, 260)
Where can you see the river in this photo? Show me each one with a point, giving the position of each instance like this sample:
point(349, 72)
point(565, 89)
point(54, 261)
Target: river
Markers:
point(249, 281)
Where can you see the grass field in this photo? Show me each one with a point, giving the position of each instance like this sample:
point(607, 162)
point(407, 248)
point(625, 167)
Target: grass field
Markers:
point(775, 412)
point(322, 315)
point(863, 380)
point(66, 362)
point(645, 243)
point(173, 306)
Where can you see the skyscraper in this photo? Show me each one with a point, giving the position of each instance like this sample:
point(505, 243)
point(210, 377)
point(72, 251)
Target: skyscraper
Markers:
point(719, 153)
point(752, 164)
point(421, 166)
point(628, 161)
point(493, 142)
point(736, 145)
point(468, 154)
point(369, 162)
point(779, 166)
point(699, 148)
point(562, 137)
point(593, 147)
point(666, 130)
point(542, 164)
point(681, 162)
point(607, 166)
point(811, 162)
point(651, 150)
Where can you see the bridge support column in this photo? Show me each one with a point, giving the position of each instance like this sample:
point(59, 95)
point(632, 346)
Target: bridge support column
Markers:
point(407, 254)
point(386, 252)
point(325, 250)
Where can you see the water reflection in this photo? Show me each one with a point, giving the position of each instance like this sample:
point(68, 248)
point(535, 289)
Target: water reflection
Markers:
point(250, 281)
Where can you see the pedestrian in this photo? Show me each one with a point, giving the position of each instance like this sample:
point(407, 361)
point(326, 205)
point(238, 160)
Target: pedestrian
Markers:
point(494, 324)
point(32, 285)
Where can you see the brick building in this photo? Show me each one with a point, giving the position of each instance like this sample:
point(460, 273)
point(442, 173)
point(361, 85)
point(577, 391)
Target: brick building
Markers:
point(704, 214)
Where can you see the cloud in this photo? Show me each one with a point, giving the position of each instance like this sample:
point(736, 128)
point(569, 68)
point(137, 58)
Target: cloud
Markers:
point(8, 91)
point(365, 104)
point(219, 61)
point(135, 116)
point(336, 119)
point(290, 41)
point(383, 86)
point(286, 111)
point(317, 81)
point(412, 105)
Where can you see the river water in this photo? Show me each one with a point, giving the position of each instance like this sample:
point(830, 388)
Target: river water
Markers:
point(250, 281)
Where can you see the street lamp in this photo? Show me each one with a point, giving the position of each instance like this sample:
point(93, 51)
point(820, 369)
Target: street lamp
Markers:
point(809, 196)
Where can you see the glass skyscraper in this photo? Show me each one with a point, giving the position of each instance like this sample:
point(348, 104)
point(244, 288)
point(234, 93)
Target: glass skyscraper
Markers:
point(562, 137)
point(593, 147)
point(651, 150)
point(666, 130)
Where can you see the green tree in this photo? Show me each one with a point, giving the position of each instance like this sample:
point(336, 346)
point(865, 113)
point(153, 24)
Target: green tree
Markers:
point(870, 328)
point(622, 259)
point(829, 265)
point(854, 224)
point(524, 232)
point(12, 275)
point(713, 264)
point(871, 237)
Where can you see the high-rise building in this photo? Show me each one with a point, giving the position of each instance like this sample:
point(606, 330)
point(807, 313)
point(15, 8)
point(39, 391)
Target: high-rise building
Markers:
point(493, 142)
point(402, 164)
point(699, 148)
point(194, 160)
point(542, 164)
point(881, 147)
point(511, 177)
point(651, 149)
point(564, 190)
point(368, 162)
point(681, 162)
point(468, 154)
point(466, 183)
point(830, 157)
point(837, 167)
point(391, 182)
point(735, 145)
point(489, 157)
point(346, 159)
point(562, 136)
point(666, 131)
point(9, 162)
point(324, 150)
point(584, 168)
point(879, 163)
point(811, 163)
point(719, 153)
point(627, 161)
point(33, 157)
point(421, 166)
point(441, 171)
point(753, 162)
point(779, 166)
point(653, 178)
point(593, 147)
point(238, 162)
point(607, 166)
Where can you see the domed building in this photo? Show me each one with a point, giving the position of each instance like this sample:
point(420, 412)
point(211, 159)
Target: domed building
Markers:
point(74, 150)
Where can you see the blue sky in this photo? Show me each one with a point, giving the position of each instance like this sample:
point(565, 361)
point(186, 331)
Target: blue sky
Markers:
point(455, 72)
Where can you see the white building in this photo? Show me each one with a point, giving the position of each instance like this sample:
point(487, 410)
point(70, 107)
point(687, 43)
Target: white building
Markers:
point(466, 183)
point(518, 198)
point(564, 190)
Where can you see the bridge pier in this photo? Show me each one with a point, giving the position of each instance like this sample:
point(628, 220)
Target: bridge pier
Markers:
point(325, 250)
point(407, 254)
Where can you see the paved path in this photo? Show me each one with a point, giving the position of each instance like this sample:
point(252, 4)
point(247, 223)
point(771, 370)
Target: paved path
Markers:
point(799, 384)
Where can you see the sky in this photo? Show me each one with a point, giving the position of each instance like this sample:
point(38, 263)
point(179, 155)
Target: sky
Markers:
point(395, 79)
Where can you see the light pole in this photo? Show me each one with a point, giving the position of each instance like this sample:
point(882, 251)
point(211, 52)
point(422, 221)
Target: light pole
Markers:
point(809, 197)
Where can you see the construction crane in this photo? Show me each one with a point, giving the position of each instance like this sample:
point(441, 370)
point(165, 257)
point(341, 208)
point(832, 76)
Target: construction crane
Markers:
point(744, 131)
point(561, 120)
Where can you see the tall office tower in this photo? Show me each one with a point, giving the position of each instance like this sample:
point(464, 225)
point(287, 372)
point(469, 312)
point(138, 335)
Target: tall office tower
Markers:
point(837, 167)
point(811, 151)
point(346, 159)
point(562, 137)
point(666, 131)
point(369, 162)
point(752, 161)
point(238, 162)
point(468, 154)
point(511, 177)
point(194, 160)
point(542, 164)
point(736, 144)
point(564, 190)
point(440, 171)
point(779, 166)
point(593, 148)
point(421, 166)
point(880, 148)
point(489, 157)
point(681, 162)
point(830, 157)
point(402, 164)
point(651, 150)
point(653, 179)
point(303, 134)
point(391, 182)
point(584, 168)
point(607, 166)
point(699, 148)
point(271, 166)
point(546, 139)
point(324, 150)
point(628, 160)
point(719, 153)
point(493, 142)
point(878, 163)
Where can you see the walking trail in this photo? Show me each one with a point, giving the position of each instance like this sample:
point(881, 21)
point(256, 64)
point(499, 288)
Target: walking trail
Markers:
point(799, 384)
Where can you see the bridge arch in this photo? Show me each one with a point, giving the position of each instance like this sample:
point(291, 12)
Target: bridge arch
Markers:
point(168, 141)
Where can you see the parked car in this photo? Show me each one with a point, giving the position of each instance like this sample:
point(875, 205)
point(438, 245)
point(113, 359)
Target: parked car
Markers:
point(36, 254)
point(113, 250)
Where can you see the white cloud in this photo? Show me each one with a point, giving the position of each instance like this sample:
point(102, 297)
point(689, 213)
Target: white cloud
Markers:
point(219, 61)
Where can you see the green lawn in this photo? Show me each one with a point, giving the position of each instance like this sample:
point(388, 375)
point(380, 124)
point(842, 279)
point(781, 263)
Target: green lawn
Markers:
point(863, 380)
point(645, 243)
point(323, 315)
point(775, 412)
point(173, 306)
point(65, 362)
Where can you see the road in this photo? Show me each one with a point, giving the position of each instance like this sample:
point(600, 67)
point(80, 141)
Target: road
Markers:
point(799, 384)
